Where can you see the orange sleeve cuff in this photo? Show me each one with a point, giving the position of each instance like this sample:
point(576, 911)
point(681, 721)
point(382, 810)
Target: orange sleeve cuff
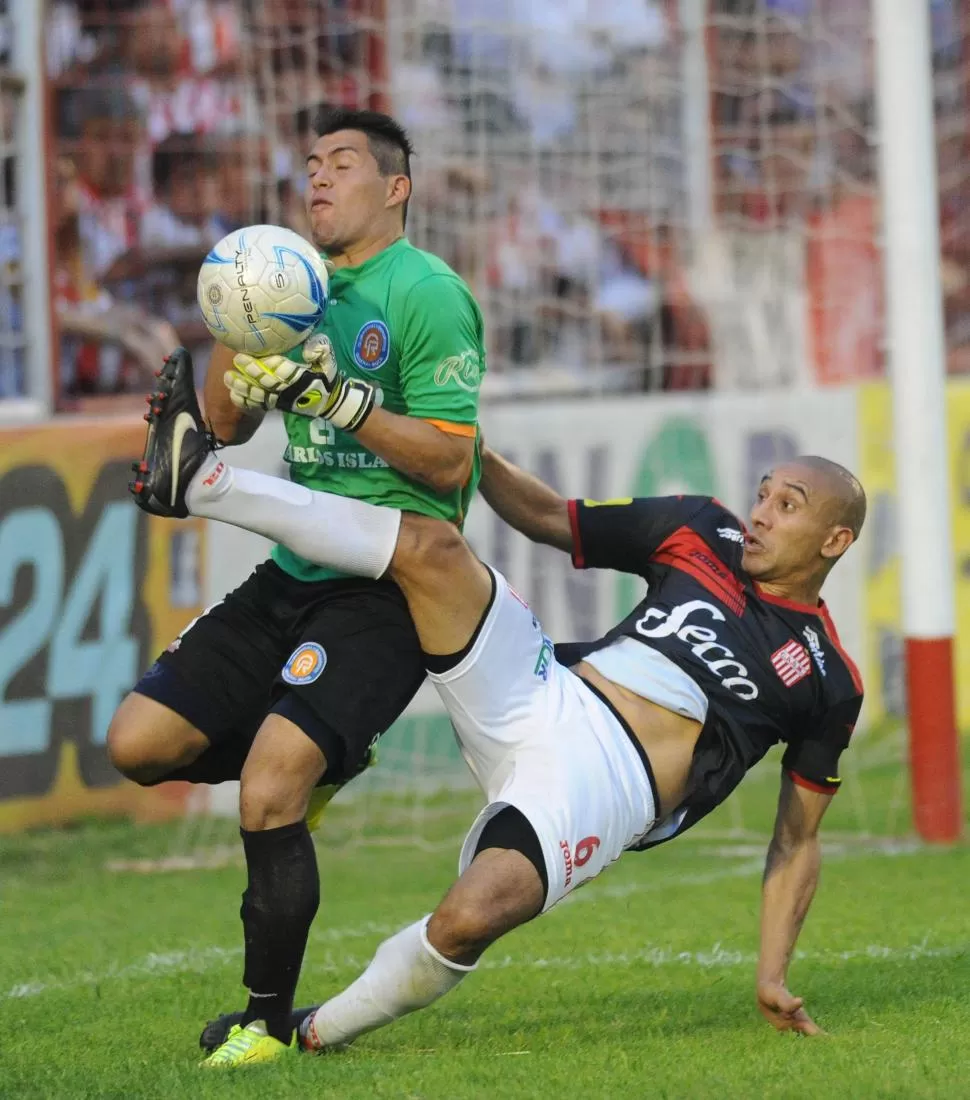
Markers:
point(468, 431)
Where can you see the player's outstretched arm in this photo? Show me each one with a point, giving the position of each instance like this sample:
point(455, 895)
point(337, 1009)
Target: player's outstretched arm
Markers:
point(791, 875)
point(229, 423)
point(525, 502)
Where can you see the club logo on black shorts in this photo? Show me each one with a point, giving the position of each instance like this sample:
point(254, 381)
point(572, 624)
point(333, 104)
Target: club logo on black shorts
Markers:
point(305, 665)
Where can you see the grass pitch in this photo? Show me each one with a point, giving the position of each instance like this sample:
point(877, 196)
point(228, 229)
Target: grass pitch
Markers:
point(642, 985)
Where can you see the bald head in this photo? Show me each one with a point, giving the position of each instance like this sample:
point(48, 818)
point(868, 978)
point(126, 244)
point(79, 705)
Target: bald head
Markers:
point(809, 511)
point(847, 506)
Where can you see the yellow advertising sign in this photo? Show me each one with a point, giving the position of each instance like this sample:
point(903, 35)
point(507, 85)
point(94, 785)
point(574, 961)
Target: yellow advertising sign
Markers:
point(882, 665)
point(958, 432)
point(91, 589)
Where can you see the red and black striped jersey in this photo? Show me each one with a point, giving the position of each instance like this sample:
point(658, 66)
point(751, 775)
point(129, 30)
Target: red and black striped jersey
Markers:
point(772, 670)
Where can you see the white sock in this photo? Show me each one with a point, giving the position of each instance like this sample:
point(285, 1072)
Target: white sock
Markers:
point(406, 973)
point(339, 532)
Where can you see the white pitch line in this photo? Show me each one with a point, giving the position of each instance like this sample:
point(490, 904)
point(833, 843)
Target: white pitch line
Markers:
point(202, 959)
point(205, 958)
point(170, 962)
point(717, 957)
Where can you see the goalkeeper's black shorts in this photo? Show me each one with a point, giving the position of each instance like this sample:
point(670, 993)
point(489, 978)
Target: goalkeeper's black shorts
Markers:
point(339, 658)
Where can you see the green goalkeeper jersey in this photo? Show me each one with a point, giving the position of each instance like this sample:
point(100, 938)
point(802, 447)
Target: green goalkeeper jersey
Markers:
point(404, 321)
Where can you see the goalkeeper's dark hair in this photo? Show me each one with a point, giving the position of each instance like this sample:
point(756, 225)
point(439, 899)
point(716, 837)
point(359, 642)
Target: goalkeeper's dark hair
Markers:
point(387, 139)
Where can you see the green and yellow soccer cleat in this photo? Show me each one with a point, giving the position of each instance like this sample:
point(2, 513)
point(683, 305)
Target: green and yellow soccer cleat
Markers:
point(321, 797)
point(248, 1046)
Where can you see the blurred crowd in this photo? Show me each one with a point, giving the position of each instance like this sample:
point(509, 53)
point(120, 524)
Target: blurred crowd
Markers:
point(170, 130)
point(146, 105)
point(176, 120)
point(795, 133)
point(553, 170)
point(13, 358)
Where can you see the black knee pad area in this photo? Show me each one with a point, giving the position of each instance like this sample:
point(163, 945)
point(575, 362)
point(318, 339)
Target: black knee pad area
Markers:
point(510, 829)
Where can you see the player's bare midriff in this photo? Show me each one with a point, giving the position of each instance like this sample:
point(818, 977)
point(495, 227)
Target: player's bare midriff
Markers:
point(667, 738)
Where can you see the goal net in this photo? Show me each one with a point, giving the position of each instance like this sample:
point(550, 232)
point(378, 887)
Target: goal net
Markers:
point(666, 197)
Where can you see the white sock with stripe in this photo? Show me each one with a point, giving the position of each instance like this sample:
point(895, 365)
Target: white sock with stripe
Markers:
point(405, 974)
point(339, 532)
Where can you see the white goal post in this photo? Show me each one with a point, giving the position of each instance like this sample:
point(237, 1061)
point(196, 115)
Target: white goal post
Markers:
point(917, 362)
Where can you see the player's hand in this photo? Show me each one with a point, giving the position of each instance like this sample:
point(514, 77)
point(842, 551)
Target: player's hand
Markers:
point(314, 388)
point(276, 382)
point(783, 1011)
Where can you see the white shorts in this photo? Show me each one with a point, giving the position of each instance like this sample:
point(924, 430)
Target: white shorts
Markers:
point(536, 737)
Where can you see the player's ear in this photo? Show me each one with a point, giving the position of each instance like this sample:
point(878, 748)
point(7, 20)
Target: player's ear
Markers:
point(838, 541)
point(398, 190)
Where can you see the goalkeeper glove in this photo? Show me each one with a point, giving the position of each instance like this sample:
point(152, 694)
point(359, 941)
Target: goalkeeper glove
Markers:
point(316, 387)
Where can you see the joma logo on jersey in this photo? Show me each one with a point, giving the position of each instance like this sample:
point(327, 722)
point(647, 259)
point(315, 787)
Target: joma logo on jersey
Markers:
point(464, 369)
point(711, 563)
point(702, 641)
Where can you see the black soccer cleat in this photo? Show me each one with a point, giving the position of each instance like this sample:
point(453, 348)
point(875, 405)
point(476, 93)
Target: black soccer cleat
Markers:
point(215, 1032)
point(177, 442)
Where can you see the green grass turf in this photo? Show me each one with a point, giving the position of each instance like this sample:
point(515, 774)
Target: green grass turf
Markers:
point(642, 985)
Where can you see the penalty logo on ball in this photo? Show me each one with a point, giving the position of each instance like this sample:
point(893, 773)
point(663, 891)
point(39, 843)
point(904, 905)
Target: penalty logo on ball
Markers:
point(305, 665)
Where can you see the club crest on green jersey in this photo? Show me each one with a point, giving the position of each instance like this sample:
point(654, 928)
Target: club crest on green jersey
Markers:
point(372, 347)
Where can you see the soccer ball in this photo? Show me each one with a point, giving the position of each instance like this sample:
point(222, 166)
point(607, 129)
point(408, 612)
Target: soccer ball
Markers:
point(262, 290)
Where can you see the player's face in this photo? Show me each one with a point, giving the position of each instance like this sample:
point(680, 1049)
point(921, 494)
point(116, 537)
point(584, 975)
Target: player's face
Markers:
point(791, 525)
point(346, 194)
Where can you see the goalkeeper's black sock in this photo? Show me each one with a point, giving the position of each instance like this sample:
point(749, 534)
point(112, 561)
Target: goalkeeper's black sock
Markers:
point(278, 908)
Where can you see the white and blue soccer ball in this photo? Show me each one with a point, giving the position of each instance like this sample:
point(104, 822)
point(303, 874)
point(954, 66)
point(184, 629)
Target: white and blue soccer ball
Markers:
point(262, 290)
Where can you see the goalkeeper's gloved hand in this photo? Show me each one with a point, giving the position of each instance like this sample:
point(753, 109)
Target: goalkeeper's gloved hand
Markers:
point(316, 387)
